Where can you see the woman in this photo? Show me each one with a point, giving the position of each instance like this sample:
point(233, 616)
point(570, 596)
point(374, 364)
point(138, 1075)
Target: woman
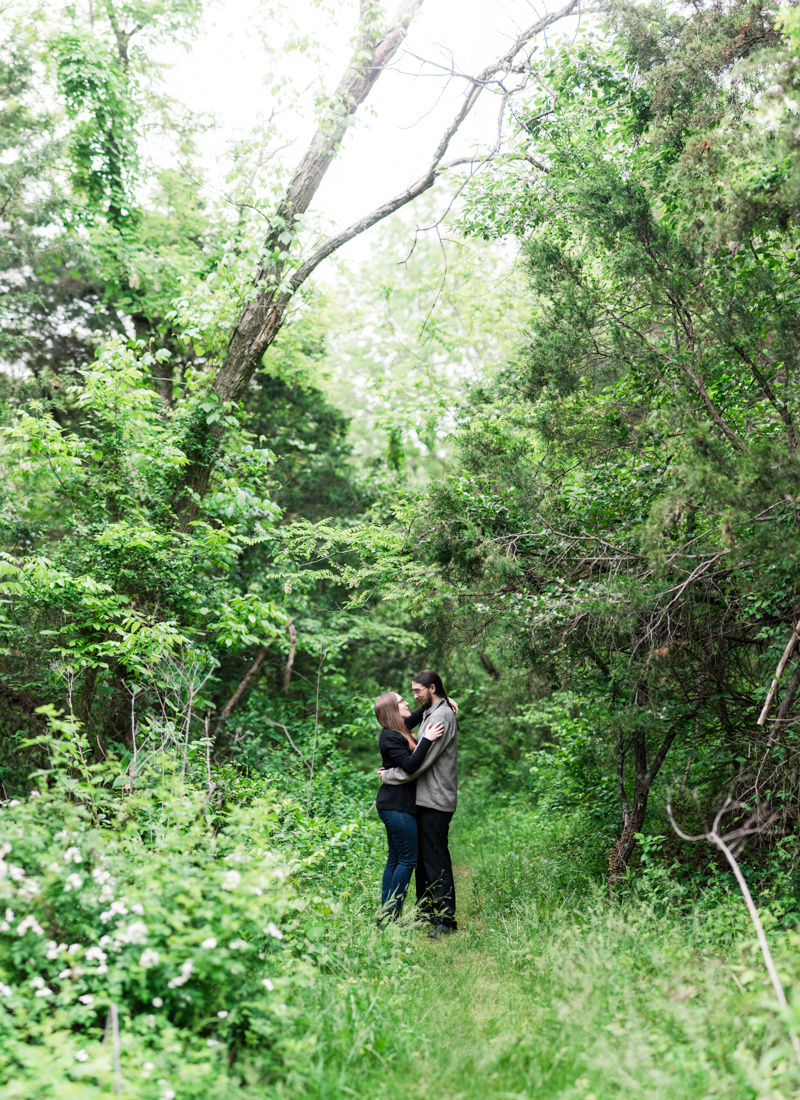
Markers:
point(397, 805)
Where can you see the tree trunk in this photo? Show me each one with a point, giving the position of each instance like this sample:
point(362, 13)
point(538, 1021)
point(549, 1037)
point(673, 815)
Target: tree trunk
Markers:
point(633, 813)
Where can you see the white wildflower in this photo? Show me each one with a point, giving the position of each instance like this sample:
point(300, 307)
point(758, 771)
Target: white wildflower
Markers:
point(65, 973)
point(257, 891)
point(149, 1065)
point(74, 948)
point(37, 982)
point(72, 855)
point(222, 1014)
point(107, 892)
point(5, 990)
point(230, 880)
point(185, 975)
point(238, 945)
point(209, 944)
point(149, 958)
point(136, 932)
point(81, 1056)
point(14, 802)
point(273, 930)
point(138, 909)
point(167, 1094)
point(9, 914)
point(16, 874)
point(96, 953)
point(267, 984)
point(74, 882)
point(104, 941)
point(119, 907)
point(30, 922)
point(43, 992)
point(52, 949)
point(100, 876)
point(33, 794)
point(212, 1042)
point(157, 1002)
point(86, 999)
point(4, 850)
point(54, 868)
point(4, 926)
point(29, 889)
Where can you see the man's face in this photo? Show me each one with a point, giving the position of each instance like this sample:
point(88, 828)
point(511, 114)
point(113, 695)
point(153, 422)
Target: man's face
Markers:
point(423, 695)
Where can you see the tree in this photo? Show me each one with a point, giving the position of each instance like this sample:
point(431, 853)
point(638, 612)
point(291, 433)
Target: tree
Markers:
point(280, 273)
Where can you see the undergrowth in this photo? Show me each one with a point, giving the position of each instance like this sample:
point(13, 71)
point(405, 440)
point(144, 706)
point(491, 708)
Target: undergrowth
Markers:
point(239, 946)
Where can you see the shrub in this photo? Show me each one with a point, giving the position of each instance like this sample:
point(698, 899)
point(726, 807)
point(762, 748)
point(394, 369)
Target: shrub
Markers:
point(192, 934)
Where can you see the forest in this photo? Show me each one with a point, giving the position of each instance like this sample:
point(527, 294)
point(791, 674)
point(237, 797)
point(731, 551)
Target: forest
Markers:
point(530, 423)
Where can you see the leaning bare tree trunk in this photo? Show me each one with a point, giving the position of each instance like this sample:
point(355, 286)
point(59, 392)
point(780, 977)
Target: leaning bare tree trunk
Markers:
point(262, 317)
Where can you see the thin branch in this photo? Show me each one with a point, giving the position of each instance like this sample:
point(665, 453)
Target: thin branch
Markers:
point(289, 739)
point(721, 842)
point(316, 727)
point(778, 673)
point(287, 676)
point(234, 699)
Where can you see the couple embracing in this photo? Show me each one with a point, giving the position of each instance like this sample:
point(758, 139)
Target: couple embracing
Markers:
point(417, 799)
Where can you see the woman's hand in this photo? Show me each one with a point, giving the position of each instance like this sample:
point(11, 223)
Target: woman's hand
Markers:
point(434, 732)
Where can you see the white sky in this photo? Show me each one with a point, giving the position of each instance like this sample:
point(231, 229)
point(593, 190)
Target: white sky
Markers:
point(224, 74)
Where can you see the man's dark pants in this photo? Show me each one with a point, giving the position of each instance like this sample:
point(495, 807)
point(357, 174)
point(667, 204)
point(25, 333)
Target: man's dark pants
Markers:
point(436, 888)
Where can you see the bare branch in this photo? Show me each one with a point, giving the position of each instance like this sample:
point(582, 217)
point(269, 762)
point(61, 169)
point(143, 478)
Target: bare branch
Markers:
point(723, 843)
point(234, 699)
point(289, 739)
point(778, 673)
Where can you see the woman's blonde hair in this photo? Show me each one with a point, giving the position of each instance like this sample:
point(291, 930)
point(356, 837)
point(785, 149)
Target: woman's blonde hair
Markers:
point(387, 711)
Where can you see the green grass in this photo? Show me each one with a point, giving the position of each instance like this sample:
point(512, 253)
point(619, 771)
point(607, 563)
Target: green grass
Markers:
point(549, 990)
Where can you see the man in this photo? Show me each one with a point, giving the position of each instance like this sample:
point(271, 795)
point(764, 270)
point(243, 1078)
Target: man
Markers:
point(437, 791)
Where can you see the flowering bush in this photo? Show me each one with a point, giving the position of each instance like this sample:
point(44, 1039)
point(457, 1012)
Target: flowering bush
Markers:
point(190, 934)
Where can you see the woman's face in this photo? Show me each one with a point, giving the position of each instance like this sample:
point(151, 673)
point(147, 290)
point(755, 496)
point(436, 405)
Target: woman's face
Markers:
point(403, 705)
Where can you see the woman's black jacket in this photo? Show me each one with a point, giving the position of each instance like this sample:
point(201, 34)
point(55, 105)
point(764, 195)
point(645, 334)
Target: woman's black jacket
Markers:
point(395, 753)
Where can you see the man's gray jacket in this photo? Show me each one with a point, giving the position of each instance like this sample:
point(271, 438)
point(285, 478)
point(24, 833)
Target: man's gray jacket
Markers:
point(437, 779)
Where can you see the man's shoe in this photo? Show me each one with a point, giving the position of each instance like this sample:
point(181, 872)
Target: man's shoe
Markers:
point(440, 930)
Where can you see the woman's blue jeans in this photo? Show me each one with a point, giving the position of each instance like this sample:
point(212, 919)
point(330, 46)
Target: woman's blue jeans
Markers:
point(401, 831)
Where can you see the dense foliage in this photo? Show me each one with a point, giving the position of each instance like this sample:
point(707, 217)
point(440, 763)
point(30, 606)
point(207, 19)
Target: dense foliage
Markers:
point(571, 481)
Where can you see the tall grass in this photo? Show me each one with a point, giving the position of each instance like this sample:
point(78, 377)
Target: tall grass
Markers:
point(551, 989)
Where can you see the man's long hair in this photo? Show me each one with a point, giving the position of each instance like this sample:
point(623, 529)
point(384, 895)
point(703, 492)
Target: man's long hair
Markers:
point(387, 711)
point(432, 679)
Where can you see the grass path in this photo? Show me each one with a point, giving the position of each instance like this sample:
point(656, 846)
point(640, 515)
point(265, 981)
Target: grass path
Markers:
point(581, 1003)
point(476, 1016)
